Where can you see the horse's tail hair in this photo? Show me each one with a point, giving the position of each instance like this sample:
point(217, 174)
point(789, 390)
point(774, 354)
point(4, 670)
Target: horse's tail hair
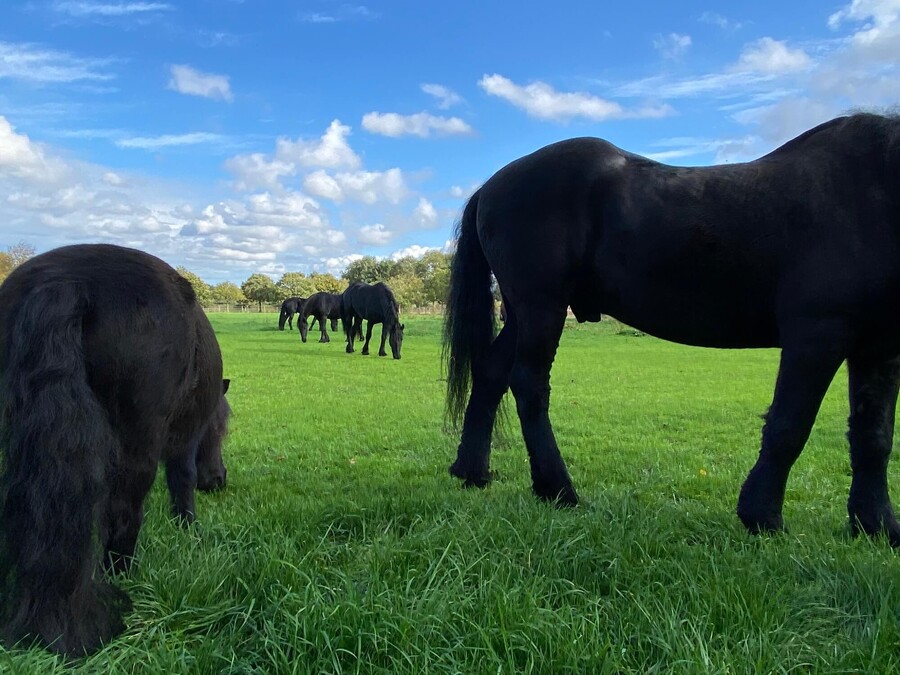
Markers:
point(469, 322)
point(57, 447)
point(283, 317)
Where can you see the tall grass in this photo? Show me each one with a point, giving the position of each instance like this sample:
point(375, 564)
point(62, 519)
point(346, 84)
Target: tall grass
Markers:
point(342, 544)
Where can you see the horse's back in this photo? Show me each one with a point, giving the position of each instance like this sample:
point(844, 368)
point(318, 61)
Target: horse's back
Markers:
point(707, 255)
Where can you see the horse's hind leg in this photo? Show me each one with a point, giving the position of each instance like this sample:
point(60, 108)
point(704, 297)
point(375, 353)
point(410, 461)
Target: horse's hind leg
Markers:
point(539, 332)
point(490, 380)
point(805, 372)
point(323, 330)
point(873, 403)
point(125, 512)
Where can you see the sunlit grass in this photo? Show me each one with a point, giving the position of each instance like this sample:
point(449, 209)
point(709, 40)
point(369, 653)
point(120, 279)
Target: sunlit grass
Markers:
point(343, 545)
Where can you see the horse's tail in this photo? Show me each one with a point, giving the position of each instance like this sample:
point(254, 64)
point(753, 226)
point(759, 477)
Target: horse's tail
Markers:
point(469, 323)
point(57, 449)
point(284, 315)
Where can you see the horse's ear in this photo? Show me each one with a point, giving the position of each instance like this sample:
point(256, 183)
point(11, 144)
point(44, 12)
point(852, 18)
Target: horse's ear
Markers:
point(225, 384)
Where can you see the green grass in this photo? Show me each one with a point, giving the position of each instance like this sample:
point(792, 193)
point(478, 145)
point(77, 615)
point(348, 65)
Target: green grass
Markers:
point(342, 544)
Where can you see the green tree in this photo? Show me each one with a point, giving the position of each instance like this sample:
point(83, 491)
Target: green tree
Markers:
point(434, 270)
point(368, 270)
point(260, 288)
point(408, 289)
point(228, 293)
point(201, 289)
point(327, 283)
point(14, 256)
point(294, 284)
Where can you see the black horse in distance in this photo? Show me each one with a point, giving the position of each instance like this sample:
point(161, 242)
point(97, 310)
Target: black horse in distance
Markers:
point(374, 304)
point(799, 249)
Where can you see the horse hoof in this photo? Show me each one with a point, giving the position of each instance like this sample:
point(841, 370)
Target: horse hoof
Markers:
point(365, 352)
point(761, 523)
point(874, 527)
point(471, 479)
point(561, 497)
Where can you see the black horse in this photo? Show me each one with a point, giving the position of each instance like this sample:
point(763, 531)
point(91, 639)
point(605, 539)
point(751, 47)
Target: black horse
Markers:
point(289, 307)
point(799, 249)
point(374, 304)
point(320, 306)
point(108, 365)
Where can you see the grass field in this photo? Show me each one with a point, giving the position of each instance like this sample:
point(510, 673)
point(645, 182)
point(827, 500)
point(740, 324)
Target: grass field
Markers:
point(342, 544)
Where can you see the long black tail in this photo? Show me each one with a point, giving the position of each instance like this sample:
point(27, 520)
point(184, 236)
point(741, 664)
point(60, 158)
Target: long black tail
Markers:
point(469, 322)
point(57, 448)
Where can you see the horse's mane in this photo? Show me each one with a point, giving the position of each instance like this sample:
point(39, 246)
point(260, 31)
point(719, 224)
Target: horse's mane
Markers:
point(873, 121)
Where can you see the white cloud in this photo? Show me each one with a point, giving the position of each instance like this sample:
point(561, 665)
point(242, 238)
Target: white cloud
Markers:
point(187, 80)
point(425, 213)
point(414, 251)
point(445, 97)
point(331, 151)
point(370, 187)
point(344, 12)
point(771, 57)
point(722, 22)
point(542, 101)
point(168, 140)
point(673, 45)
point(108, 9)
point(322, 185)
point(375, 235)
point(31, 63)
point(20, 157)
point(421, 124)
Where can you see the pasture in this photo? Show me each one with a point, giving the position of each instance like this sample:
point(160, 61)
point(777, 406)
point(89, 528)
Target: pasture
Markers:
point(341, 543)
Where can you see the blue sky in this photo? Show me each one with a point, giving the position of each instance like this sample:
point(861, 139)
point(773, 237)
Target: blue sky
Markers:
point(241, 136)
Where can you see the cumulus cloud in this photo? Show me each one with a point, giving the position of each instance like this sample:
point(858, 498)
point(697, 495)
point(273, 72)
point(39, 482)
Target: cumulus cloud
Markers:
point(444, 96)
point(673, 45)
point(374, 235)
point(414, 251)
point(425, 213)
point(421, 124)
point(21, 158)
point(771, 57)
point(542, 101)
point(187, 80)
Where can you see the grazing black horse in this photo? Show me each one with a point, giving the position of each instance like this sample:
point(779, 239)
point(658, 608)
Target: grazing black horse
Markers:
point(799, 249)
point(320, 306)
point(107, 366)
point(374, 304)
point(289, 307)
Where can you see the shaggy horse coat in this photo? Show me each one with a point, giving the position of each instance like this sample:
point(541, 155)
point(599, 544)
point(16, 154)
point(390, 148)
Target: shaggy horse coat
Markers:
point(374, 304)
point(799, 249)
point(107, 366)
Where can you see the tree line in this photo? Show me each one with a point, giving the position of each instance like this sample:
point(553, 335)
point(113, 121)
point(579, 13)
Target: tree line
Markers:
point(416, 282)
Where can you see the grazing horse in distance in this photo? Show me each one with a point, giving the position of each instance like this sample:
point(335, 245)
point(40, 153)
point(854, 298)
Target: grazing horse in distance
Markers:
point(374, 304)
point(799, 249)
point(289, 307)
point(320, 306)
point(108, 366)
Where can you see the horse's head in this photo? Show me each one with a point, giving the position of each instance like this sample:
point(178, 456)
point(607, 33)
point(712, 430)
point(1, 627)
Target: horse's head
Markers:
point(211, 472)
point(303, 326)
point(396, 338)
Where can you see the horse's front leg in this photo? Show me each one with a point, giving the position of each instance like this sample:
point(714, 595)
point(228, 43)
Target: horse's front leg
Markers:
point(384, 334)
point(538, 337)
point(804, 374)
point(490, 380)
point(365, 349)
point(181, 479)
point(873, 403)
